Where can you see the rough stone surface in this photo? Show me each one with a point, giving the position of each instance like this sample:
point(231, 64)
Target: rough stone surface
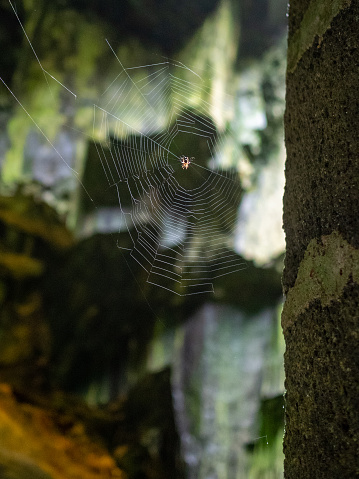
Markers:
point(322, 170)
point(321, 201)
point(322, 403)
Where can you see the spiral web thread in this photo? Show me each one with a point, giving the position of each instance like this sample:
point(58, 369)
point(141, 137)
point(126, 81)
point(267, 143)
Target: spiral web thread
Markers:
point(180, 232)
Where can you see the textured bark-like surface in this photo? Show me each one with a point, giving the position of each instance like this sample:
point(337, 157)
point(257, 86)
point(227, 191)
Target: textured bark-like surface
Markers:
point(322, 401)
point(321, 123)
point(321, 201)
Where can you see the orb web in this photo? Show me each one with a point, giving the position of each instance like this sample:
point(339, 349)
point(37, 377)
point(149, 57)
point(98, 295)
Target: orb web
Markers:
point(180, 221)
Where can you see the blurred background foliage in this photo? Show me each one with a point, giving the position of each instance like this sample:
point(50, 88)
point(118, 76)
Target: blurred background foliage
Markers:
point(144, 383)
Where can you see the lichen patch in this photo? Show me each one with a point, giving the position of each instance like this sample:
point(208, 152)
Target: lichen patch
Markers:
point(316, 21)
point(328, 265)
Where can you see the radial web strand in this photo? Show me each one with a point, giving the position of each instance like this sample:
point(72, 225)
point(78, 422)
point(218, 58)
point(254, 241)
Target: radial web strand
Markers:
point(180, 221)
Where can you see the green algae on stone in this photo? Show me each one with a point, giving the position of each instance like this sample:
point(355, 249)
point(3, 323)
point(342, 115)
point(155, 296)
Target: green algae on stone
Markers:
point(39, 111)
point(316, 21)
point(205, 56)
point(328, 265)
point(12, 168)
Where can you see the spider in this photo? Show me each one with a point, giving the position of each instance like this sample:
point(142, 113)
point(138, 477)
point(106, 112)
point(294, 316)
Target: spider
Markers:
point(186, 161)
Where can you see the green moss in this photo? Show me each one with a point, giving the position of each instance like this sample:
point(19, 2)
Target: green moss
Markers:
point(204, 55)
point(46, 105)
point(72, 58)
point(13, 164)
point(325, 270)
point(41, 105)
point(91, 46)
point(316, 21)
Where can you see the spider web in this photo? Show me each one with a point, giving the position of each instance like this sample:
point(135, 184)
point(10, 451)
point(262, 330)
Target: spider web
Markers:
point(180, 221)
